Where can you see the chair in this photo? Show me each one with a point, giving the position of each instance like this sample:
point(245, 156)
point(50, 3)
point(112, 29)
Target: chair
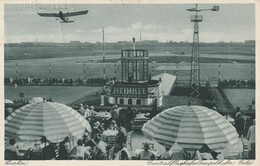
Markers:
point(111, 153)
point(10, 155)
point(101, 157)
point(129, 139)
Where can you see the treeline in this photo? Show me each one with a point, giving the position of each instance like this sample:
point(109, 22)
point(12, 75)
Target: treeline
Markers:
point(55, 81)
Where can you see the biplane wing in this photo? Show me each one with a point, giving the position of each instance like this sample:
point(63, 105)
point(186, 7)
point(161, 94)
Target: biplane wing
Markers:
point(49, 14)
point(70, 14)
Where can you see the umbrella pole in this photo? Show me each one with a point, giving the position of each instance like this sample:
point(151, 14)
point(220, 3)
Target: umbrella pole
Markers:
point(242, 138)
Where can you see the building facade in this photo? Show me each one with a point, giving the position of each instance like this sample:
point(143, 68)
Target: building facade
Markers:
point(135, 87)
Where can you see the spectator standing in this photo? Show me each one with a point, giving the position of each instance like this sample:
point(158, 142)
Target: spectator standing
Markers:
point(115, 113)
point(121, 136)
point(240, 124)
point(87, 112)
point(251, 141)
point(81, 109)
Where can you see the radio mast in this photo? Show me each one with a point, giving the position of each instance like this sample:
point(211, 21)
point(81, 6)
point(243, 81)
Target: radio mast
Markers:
point(195, 62)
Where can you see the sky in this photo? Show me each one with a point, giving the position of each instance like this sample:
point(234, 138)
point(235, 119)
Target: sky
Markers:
point(122, 22)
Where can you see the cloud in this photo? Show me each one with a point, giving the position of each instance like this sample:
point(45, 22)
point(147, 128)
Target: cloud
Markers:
point(137, 25)
point(154, 27)
point(78, 30)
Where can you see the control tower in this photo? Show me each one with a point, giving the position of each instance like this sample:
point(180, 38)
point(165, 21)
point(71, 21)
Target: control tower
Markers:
point(135, 87)
point(134, 65)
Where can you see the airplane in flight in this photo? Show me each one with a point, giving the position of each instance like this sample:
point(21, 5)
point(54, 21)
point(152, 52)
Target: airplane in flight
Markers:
point(64, 16)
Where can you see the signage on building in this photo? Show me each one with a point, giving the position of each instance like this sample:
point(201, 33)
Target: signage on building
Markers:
point(129, 91)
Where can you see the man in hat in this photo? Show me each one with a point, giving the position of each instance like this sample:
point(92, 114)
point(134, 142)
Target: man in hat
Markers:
point(146, 154)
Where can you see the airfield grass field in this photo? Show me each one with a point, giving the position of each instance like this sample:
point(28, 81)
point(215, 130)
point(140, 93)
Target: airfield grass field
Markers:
point(74, 68)
point(240, 97)
point(68, 62)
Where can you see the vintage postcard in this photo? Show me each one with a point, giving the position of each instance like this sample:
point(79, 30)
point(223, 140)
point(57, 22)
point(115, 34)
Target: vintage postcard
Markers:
point(154, 83)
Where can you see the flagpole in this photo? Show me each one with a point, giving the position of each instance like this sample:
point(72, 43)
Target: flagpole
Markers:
point(103, 48)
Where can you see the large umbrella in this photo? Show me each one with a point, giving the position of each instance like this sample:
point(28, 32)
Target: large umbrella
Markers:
point(36, 100)
point(191, 127)
point(53, 120)
point(8, 101)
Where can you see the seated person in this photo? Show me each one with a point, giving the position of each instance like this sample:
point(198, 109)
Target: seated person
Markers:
point(48, 152)
point(100, 148)
point(146, 154)
point(167, 155)
point(79, 152)
point(96, 129)
point(11, 151)
point(63, 152)
point(112, 125)
point(123, 153)
point(88, 141)
point(35, 152)
point(215, 155)
point(205, 153)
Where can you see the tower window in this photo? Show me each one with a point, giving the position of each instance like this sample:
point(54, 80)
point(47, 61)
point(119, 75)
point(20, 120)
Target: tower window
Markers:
point(121, 101)
point(138, 102)
point(130, 101)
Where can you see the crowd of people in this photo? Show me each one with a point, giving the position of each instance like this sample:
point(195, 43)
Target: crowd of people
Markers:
point(245, 127)
point(92, 145)
point(236, 83)
point(35, 81)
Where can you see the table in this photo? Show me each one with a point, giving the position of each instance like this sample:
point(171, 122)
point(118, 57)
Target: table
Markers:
point(110, 132)
point(103, 115)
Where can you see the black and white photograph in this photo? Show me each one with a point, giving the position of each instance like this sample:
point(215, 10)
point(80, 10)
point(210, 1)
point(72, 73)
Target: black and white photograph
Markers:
point(129, 81)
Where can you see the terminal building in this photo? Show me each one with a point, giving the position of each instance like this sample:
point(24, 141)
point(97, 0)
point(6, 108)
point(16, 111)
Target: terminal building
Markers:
point(135, 87)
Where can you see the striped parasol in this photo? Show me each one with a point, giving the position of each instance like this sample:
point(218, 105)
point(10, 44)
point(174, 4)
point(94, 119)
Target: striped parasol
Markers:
point(53, 120)
point(191, 127)
point(8, 101)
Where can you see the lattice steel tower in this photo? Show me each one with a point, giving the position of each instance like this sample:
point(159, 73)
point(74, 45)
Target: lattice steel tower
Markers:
point(195, 61)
